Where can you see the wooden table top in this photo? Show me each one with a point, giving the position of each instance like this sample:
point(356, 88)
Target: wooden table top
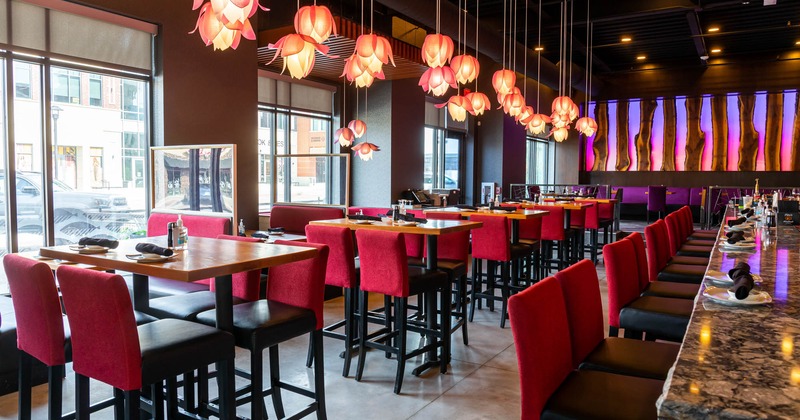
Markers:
point(433, 227)
point(572, 205)
point(54, 263)
point(598, 200)
point(517, 215)
point(205, 257)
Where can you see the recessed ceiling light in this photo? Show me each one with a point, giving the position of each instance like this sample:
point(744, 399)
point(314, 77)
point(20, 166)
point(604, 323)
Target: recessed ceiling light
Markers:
point(713, 29)
point(539, 49)
point(641, 57)
point(625, 39)
point(716, 50)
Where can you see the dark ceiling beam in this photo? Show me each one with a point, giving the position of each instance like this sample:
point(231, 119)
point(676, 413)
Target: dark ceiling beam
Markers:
point(699, 40)
point(615, 10)
point(491, 42)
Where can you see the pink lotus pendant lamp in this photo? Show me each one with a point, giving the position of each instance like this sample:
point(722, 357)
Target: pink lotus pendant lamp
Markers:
point(223, 23)
point(344, 136)
point(316, 22)
point(436, 80)
point(457, 106)
point(364, 150)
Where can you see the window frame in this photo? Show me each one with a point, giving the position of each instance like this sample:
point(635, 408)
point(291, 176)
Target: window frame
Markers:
point(531, 155)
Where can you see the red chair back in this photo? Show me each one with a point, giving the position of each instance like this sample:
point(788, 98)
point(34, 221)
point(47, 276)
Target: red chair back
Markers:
point(384, 264)
point(40, 324)
point(245, 285)
point(415, 243)
point(105, 342)
point(202, 226)
point(588, 217)
point(301, 283)
point(541, 337)
point(530, 228)
point(674, 234)
point(685, 214)
point(606, 210)
point(553, 223)
point(622, 277)
point(577, 218)
point(581, 290)
point(450, 246)
point(658, 248)
point(641, 259)
point(341, 270)
point(491, 241)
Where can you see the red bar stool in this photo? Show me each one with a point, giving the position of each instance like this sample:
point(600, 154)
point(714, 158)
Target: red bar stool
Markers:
point(108, 346)
point(658, 317)
point(491, 243)
point(590, 351)
point(688, 222)
point(293, 307)
point(555, 235)
point(588, 218)
point(550, 386)
point(678, 244)
point(662, 267)
point(530, 233)
point(385, 270)
point(341, 272)
point(658, 288)
point(452, 256)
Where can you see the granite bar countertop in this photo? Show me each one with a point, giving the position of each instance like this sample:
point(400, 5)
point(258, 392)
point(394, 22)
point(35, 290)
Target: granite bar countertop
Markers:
point(743, 362)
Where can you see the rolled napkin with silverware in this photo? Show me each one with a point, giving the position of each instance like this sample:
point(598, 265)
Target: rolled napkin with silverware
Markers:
point(742, 280)
point(147, 248)
point(736, 237)
point(276, 230)
point(408, 217)
point(748, 212)
point(363, 217)
point(738, 221)
point(466, 207)
point(505, 208)
point(108, 243)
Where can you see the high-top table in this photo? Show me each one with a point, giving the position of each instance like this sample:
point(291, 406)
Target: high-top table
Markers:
point(515, 216)
point(205, 258)
point(740, 362)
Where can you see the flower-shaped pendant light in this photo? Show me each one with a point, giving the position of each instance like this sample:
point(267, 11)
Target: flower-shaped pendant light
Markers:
point(223, 23)
point(298, 53)
point(364, 150)
point(457, 106)
point(478, 101)
point(316, 22)
point(436, 80)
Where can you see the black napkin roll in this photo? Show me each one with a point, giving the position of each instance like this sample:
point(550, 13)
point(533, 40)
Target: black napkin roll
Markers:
point(408, 217)
point(363, 217)
point(742, 285)
point(153, 249)
point(108, 243)
point(738, 270)
point(276, 230)
point(505, 208)
point(738, 221)
point(736, 237)
point(466, 207)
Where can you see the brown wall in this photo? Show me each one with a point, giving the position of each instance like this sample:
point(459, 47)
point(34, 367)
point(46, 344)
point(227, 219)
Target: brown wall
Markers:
point(201, 96)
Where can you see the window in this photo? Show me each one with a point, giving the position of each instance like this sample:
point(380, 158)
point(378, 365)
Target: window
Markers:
point(22, 80)
point(95, 90)
point(24, 157)
point(66, 86)
point(538, 161)
point(132, 101)
point(133, 149)
point(442, 164)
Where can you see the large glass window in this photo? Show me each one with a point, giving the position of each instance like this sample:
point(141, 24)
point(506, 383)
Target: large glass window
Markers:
point(95, 90)
point(297, 179)
point(22, 80)
point(442, 160)
point(66, 86)
point(537, 158)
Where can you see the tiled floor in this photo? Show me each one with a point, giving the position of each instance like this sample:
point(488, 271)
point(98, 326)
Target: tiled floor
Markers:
point(481, 383)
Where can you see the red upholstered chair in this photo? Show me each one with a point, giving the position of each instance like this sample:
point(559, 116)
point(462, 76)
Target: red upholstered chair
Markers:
point(245, 288)
point(678, 243)
point(452, 253)
point(590, 350)
point(688, 222)
point(588, 218)
point(385, 270)
point(663, 267)
point(108, 346)
point(293, 308)
point(658, 317)
point(550, 387)
point(555, 235)
point(657, 288)
point(491, 243)
point(40, 328)
point(295, 218)
point(341, 272)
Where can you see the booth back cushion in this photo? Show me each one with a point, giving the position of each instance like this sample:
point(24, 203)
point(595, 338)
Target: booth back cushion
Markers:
point(295, 218)
point(677, 196)
point(203, 226)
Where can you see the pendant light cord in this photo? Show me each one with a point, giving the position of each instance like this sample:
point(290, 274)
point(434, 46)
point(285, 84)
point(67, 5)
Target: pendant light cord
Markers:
point(477, 28)
point(525, 72)
point(539, 58)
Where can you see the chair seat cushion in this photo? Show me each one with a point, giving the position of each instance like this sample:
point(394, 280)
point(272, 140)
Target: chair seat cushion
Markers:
point(705, 231)
point(264, 323)
point(421, 279)
point(142, 318)
point(171, 347)
point(601, 395)
point(695, 251)
point(665, 318)
point(671, 290)
point(682, 273)
point(185, 306)
point(520, 250)
point(701, 235)
point(709, 242)
point(645, 359)
point(682, 259)
point(453, 268)
point(159, 287)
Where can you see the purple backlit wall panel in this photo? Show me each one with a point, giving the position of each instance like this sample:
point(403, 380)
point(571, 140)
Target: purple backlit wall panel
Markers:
point(734, 142)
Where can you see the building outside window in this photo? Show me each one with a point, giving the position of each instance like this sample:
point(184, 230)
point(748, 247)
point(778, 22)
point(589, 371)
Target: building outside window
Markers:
point(537, 170)
point(95, 90)
point(22, 80)
point(66, 86)
point(442, 161)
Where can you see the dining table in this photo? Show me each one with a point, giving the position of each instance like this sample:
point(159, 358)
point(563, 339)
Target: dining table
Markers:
point(431, 229)
point(204, 258)
point(739, 359)
point(515, 216)
point(566, 205)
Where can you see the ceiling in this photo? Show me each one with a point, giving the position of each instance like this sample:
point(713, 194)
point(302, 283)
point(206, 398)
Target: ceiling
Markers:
point(667, 33)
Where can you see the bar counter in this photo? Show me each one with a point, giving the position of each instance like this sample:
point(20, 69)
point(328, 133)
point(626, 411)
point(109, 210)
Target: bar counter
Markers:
point(741, 362)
